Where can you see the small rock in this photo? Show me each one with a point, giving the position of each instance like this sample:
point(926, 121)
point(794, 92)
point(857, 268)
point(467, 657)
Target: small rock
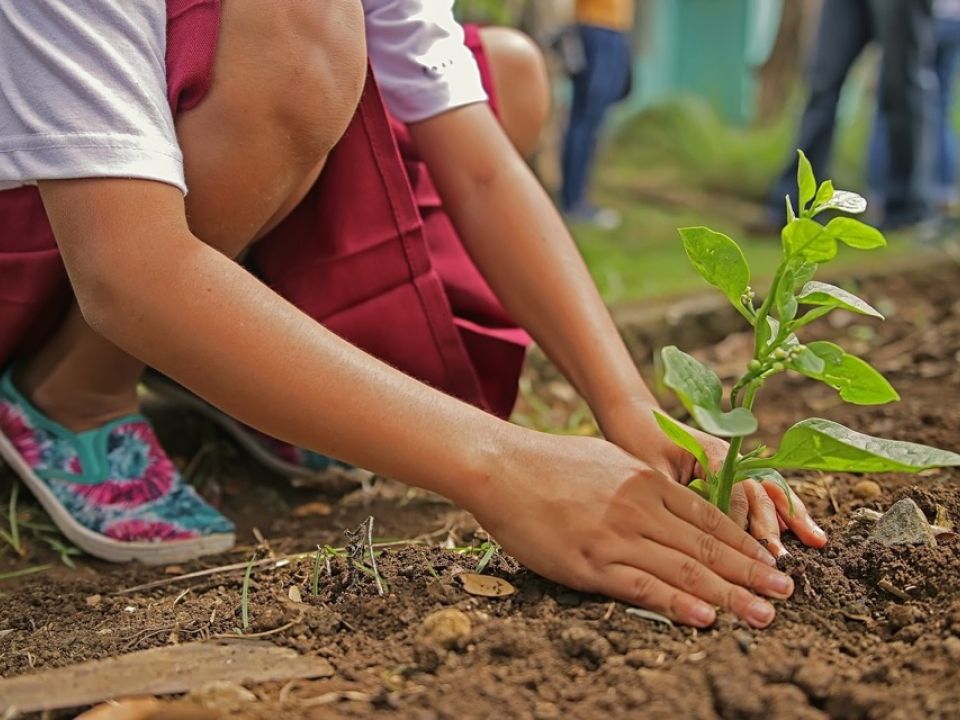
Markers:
point(866, 490)
point(222, 695)
point(903, 524)
point(645, 658)
point(93, 600)
point(546, 711)
point(582, 642)
point(449, 629)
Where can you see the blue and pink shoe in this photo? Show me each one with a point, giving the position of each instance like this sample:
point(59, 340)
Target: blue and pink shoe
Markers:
point(112, 491)
point(305, 468)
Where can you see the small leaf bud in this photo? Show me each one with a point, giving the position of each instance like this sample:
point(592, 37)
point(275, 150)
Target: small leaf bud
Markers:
point(755, 366)
point(778, 367)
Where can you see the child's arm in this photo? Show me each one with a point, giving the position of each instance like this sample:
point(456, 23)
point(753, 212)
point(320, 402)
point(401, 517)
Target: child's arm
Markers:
point(522, 247)
point(577, 510)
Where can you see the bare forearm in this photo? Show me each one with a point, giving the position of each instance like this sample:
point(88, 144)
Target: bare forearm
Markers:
point(191, 312)
point(525, 252)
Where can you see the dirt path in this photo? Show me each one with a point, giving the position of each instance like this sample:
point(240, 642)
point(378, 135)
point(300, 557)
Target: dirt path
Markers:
point(871, 632)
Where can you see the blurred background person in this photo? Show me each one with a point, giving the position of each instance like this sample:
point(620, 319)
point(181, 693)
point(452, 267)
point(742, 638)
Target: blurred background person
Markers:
point(944, 167)
point(605, 77)
point(904, 30)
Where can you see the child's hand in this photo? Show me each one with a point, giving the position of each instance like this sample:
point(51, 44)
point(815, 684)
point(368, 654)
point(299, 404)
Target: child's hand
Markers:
point(761, 507)
point(585, 513)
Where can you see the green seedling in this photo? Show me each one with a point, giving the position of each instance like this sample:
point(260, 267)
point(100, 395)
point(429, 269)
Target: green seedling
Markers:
point(12, 536)
point(793, 301)
point(245, 595)
point(315, 578)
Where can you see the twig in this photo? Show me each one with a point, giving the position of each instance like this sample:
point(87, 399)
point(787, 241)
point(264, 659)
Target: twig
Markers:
point(265, 633)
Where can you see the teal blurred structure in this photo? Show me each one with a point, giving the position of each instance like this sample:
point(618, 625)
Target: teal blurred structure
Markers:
point(711, 49)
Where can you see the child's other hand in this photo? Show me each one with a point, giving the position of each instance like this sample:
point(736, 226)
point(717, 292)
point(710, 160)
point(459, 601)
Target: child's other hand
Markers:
point(585, 513)
point(763, 508)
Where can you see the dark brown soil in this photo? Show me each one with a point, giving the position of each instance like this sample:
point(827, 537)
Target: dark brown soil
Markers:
point(870, 633)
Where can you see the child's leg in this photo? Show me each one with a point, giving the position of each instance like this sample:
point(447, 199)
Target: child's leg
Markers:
point(522, 85)
point(287, 79)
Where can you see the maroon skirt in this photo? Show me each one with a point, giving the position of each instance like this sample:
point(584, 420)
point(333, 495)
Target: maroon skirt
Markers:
point(369, 252)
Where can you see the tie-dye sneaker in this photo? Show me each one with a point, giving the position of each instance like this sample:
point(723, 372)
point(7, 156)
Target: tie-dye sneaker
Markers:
point(303, 467)
point(112, 491)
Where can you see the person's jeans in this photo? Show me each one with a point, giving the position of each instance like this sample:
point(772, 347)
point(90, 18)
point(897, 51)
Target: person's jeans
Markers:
point(944, 139)
point(904, 28)
point(604, 80)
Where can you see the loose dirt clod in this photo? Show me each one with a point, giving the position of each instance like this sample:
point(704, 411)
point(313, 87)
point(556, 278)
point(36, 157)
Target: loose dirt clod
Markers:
point(449, 629)
point(583, 643)
point(903, 524)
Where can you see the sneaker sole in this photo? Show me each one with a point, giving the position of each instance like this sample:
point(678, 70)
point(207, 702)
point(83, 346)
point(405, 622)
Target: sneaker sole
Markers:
point(100, 546)
point(166, 393)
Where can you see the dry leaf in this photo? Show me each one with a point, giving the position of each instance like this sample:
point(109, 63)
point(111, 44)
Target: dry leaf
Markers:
point(312, 509)
point(294, 594)
point(486, 585)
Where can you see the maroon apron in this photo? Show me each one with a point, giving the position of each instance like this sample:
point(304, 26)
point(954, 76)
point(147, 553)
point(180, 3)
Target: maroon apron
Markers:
point(370, 252)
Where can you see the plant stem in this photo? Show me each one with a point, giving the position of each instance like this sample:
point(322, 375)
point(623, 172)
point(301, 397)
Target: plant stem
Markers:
point(725, 481)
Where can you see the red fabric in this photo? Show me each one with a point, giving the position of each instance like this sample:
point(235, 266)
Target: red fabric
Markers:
point(370, 252)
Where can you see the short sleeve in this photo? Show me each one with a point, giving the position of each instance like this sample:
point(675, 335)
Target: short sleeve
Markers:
point(419, 58)
point(83, 92)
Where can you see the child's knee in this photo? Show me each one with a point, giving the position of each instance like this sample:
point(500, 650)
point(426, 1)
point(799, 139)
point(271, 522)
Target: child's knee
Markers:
point(522, 84)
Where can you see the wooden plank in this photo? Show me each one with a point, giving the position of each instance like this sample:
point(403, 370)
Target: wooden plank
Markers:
point(161, 671)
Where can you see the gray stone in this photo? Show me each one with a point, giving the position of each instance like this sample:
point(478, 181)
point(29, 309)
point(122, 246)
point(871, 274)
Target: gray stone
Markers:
point(903, 524)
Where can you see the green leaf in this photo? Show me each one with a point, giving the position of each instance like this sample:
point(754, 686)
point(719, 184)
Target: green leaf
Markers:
point(808, 241)
point(806, 181)
point(692, 381)
point(855, 380)
point(769, 475)
point(791, 215)
point(718, 259)
point(700, 391)
point(818, 444)
point(842, 200)
point(856, 234)
point(824, 195)
point(736, 423)
point(808, 363)
point(680, 437)
point(786, 300)
point(819, 293)
point(804, 271)
point(701, 488)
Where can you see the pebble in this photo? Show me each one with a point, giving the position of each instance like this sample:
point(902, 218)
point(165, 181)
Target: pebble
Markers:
point(866, 490)
point(222, 695)
point(93, 600)
point(903, 524)
point(449, 629)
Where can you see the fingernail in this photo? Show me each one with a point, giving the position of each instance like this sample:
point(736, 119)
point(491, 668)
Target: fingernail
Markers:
point(764, 556)
point(779, 584)
point(818, 531)
point(760, 613)
point(703, 615)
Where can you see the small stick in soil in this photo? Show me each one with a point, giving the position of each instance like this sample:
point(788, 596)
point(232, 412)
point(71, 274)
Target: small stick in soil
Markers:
point(886, 585)
point(360, 543)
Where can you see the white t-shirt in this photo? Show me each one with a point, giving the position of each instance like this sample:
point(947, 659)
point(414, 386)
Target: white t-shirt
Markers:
point(83, 83)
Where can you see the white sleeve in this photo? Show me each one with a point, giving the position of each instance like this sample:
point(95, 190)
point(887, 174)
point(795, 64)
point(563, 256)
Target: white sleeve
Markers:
point(419, 58)
point(83, 92)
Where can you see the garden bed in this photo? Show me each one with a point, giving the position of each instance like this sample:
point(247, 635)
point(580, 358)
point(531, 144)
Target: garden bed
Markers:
point(871, 632)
